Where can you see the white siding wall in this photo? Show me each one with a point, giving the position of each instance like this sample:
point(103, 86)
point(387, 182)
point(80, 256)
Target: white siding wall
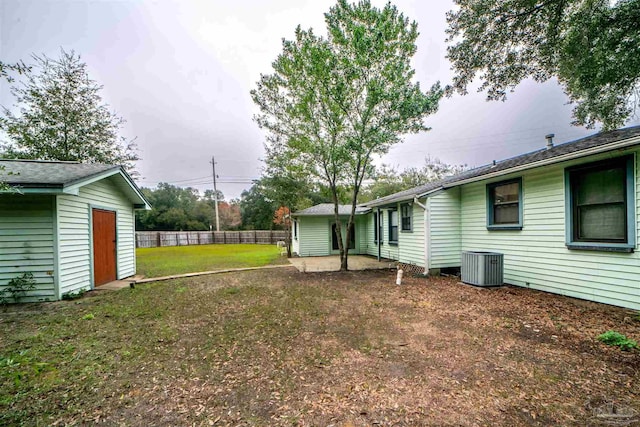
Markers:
point(411, 244)
point(27, 242)
point(537, 257)
point(74, 239)
point(445, 234)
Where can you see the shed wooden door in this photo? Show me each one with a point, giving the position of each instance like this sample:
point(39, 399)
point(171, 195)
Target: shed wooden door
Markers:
point(104, 246)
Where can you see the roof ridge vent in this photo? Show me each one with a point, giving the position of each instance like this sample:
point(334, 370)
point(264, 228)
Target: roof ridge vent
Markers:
point(549, 140)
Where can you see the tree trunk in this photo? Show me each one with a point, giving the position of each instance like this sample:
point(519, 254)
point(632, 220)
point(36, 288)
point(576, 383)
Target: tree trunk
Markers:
point(344, 264)
point(287, 226)
point(341, 248)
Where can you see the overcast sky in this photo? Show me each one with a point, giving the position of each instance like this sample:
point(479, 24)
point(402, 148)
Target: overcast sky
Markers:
point(180, 73)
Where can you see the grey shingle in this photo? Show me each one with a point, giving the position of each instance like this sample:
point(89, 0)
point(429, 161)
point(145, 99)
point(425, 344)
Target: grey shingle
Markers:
point(326, 209)
point(40, 173)
point(601, 139)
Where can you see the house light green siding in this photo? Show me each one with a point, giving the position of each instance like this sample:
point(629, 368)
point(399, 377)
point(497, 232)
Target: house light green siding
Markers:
point(75, 234)
point(27, 242)
point(445, 232)
point(411, 243)
point(371, 247)
point(537, 257)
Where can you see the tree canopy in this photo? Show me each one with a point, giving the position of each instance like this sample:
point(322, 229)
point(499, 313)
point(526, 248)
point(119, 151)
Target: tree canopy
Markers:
point(387, 180)
point(256, 208)
point(18, 67)
point(175, 208)
point(62, 116)
point(332, 103)
point(5, 68)
point(590, 46)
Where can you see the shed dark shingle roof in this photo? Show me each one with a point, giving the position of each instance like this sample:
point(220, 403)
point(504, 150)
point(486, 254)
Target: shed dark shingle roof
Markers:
point(40, 173)
point(601, 140)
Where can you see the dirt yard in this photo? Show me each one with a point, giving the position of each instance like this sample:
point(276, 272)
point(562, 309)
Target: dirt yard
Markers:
point(284, 348)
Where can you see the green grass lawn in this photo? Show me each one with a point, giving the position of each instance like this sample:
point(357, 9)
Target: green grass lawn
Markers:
point(156, 262)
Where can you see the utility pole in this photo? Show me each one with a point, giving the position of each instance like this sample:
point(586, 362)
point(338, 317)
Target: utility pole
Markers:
point(215, 192)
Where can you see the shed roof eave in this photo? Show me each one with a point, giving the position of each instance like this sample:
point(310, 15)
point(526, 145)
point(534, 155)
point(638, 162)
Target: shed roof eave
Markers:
point(135, 195)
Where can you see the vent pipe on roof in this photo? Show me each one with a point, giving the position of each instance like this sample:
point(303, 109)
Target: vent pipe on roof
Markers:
point(549, 140)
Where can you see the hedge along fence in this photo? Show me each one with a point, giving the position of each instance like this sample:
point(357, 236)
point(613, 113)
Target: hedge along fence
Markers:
point(155, 239)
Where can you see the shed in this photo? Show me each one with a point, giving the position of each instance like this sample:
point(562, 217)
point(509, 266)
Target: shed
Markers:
point(70, 224)
point(314, 230)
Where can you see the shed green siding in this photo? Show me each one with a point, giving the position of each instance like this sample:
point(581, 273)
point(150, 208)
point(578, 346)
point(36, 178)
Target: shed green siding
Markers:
point(295, 236)
point(27, 242)
point(411, 243)
point(74, 233)
point(537, 256)
point(445, 234)
point(314, 235)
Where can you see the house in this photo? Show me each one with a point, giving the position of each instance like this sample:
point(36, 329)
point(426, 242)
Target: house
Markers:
point(69, 224)
point(565, 217)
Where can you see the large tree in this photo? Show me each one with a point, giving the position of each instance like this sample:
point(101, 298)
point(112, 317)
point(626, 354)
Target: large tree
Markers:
point(5, 68)
point(590, 46)
point(61, 116)
point(332, 103)
point(256, 208)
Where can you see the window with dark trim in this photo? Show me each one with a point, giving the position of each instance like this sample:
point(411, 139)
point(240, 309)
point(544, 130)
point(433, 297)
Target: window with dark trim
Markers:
point(405, 217)
point(393, 227)
point(600, 205)
point(335, 237)
point(375, 227)
point(504, 205)
point(295, 229)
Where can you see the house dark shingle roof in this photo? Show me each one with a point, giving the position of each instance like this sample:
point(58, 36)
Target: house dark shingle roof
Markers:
point(40, 173)
point(327, 209)
point(599, 140)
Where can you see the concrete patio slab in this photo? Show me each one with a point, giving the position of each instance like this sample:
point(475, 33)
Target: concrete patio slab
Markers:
point(119, 284)
point(113, 286)
point(332, 263)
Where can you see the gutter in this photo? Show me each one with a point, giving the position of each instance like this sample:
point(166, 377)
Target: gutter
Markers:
point(427, 231)
point(377, 223)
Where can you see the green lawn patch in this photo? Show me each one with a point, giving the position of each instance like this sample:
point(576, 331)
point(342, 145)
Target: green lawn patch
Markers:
point(156, 262)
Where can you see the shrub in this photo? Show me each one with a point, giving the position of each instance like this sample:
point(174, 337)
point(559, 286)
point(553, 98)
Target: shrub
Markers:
point(17, 288)
point(74, 295)
point(617, 339)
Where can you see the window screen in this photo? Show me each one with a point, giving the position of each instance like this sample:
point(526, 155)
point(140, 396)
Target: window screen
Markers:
point(599, 204)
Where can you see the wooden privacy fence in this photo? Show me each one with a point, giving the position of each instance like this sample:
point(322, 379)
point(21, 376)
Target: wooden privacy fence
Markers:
point(154, 239)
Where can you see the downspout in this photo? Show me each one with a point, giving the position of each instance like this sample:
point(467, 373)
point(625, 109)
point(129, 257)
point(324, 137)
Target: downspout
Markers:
point(427, 230)
point(377, 222)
